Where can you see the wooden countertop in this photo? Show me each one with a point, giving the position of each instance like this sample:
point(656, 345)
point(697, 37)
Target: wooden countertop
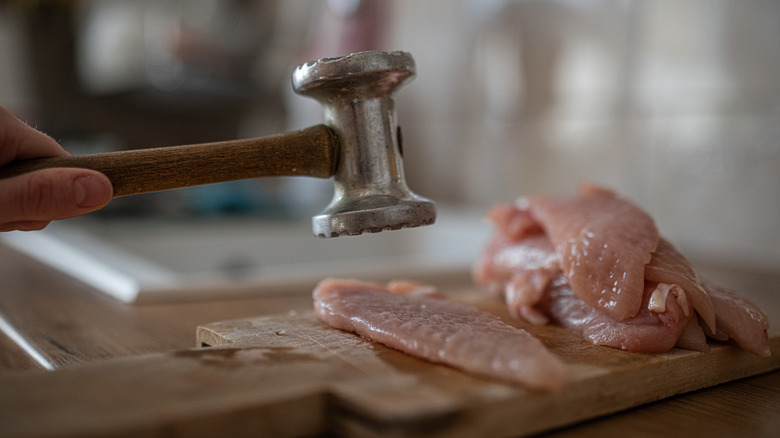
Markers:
point(50, 321)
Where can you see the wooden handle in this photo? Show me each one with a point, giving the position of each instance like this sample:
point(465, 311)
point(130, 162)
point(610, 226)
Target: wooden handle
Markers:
point(308, 152)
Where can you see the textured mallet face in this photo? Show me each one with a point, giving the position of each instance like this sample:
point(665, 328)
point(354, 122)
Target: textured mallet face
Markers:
point(386, 213)
point(370, 189)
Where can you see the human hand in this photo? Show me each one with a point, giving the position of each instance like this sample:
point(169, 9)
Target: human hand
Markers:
point(32, 200)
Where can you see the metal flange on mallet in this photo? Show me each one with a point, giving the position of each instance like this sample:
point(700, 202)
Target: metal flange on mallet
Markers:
point(370, 189)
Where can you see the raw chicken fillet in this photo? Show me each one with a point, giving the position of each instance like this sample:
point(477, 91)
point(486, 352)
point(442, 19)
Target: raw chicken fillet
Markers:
point(597, 265)
point(438, 330)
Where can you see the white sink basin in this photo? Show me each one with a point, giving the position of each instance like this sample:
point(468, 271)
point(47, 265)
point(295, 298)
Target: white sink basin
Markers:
point(154, 260)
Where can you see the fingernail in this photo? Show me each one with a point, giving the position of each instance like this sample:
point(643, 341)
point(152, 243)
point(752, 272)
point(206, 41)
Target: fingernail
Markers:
point(89, 191)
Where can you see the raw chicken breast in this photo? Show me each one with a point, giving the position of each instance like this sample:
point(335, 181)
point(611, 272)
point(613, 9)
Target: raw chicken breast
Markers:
point(440, 331)
point(520, 271)
point(514, 221)
point(669, 266)
point(604, 243)
point(693, 337)
point(534, 289)
point(647, 332)
point(555, 259)
point(740, 320)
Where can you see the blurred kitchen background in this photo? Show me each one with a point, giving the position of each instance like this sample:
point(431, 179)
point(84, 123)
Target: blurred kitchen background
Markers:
point(673, 103)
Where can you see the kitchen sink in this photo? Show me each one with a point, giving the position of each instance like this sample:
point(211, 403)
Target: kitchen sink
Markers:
point(145, 259)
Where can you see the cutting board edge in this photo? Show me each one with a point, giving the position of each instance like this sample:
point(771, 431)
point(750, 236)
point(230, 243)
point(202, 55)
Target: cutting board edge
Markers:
point(607, 400)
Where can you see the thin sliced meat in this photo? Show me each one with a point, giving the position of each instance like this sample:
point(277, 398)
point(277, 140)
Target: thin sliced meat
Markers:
point(693, 337)
point(523, 292)
point(647, 332)
point(739, 319)
point(514, 220)
point(413, 289)
point(604, 243)
point(500, 260)
point(440, 331)
point(596, 264)
point(668, 265)
point(489, 273)
point(520, 271)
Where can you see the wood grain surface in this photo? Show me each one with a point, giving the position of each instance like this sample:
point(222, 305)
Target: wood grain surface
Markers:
point(290, 374)
point(126, 370)
point(384, 395)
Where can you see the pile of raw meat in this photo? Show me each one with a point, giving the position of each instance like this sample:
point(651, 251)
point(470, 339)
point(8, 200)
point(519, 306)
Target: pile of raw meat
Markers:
point(593, 263)
point(596, 264)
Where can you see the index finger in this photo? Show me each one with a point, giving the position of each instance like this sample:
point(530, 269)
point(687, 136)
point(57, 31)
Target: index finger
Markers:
point(19, 141)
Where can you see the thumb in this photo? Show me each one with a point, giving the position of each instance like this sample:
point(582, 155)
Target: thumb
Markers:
point(32, 200)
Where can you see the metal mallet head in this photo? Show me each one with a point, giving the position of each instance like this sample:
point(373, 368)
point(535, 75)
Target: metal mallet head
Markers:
point(371, 194)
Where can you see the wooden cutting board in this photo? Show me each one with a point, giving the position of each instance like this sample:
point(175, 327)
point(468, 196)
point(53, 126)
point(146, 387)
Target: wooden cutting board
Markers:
point(290, 375)
point(375, 391)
